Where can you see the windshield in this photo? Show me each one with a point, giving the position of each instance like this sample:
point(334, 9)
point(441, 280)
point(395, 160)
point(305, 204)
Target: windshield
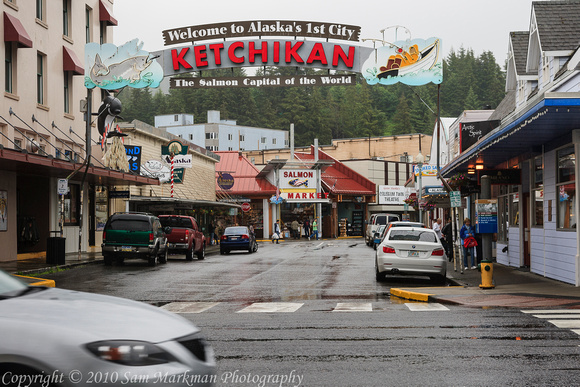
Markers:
point(9, 284)
point(129, 224)
point(173, 221)
point(413, 235)
point(236, 231)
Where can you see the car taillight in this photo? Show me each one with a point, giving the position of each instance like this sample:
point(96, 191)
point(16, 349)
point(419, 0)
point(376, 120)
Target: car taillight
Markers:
point(224, 237)
point(151, 237)
point(186, 234)
point(245, 236)
point(438, 252)
point(104, 236)
point(388, 250)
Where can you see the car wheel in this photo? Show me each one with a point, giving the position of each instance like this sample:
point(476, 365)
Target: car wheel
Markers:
point(163, 256)
point(374, 246)
point(439, 279)
point(379, 276)
point(108, 260)
point(120, 261)
point(255, 246)
point(153, 259)
point(201, 253)
point(189, 253)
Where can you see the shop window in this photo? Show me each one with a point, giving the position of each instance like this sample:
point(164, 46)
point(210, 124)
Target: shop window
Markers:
point(514, 204)
point(503, 217)
point(72, 202)
point(566, 189)
point(538, 191)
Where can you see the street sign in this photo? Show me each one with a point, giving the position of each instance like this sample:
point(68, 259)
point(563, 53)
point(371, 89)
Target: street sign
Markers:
point(455, 198)
point(246, 207)
point(62, 186)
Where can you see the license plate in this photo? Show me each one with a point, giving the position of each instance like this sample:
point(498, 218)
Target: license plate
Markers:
point(126, 248)
point(233, 238)
point(413, 253)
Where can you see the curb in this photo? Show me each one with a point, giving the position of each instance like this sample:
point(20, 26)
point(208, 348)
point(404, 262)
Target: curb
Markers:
point(65, 266)
point(420, 296)
point(39, 281)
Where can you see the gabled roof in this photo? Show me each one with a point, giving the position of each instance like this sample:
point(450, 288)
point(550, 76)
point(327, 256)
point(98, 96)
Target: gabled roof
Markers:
point(505, 107)
point(558, 24)
point(339, 179)
point(519, 41)
point(245, 174)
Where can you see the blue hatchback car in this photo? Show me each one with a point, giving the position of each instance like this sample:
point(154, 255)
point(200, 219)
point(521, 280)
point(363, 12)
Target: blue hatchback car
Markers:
point(238, 238)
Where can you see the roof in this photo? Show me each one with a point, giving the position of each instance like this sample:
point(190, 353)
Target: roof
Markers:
point(245, 174)
point(558, 24)
point(520, 41)
point(505, 107)
point(340, 179)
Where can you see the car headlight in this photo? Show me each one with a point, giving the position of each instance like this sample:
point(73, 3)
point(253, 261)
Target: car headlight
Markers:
point(131, 353)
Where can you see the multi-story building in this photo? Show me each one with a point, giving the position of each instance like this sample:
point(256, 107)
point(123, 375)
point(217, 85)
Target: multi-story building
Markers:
point(43, 134)
point(222, 135)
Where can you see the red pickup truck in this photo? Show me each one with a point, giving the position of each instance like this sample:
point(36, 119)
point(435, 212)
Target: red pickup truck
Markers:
point(183, 236)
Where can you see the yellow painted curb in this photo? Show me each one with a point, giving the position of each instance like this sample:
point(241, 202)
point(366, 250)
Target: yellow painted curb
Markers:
point(25, 256)
point(415, 296)
point(39, 281)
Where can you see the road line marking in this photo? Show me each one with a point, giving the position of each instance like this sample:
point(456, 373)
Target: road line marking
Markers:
point(272, 307)
point(353, 307)
point(189, 307)
point(562, 316)
point(577, 331)
point(422, 307)
point(566, 323)
point(553, 311)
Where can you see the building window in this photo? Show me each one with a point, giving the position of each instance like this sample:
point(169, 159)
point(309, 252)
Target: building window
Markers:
point(40, 9)
point(503, 216)
point(18, 144)
point(230, 148)
point(71, 206)
point(538, 191)
point(67, 91)
point(68, 155)
point(566, 188)
point(57, 153)
point(242, 137)
point(263, 141)
point(88, 24)
point(230, 137)
point(211, 136)
point(66, 17)
point(103, 32)
point(273, 141)
point(190, 136)
point(176, 117)
point(514, 209)
point(9, 68)
point(40, 64)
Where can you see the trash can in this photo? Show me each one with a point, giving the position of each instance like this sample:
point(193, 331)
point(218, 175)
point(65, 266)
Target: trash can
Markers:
point(55, 249)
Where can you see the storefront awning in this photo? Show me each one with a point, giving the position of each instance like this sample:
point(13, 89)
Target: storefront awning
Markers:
point(14, 32)
point(70, 62)
point(555, 116)
point(106, 15)
point(38, 165)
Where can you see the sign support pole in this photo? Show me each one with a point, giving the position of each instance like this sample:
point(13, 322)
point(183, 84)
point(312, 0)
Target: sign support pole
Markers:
point(172, 174)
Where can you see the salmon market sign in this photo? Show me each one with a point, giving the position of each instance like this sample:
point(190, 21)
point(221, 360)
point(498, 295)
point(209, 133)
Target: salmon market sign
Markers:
point(219, 46)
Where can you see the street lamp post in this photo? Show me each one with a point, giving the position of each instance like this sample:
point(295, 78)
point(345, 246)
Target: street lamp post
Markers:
point(420, 159)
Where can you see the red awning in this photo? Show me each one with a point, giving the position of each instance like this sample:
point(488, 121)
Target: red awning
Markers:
point(14, 32)
point(70, 62)
point(106, 15)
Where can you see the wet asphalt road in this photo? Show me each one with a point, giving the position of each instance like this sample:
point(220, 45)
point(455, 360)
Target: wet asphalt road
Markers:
point(383, 342)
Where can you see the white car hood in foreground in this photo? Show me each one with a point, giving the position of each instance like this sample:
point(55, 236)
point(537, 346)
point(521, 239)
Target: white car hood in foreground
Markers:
point(89, 317)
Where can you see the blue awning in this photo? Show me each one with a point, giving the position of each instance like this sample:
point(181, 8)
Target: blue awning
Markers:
point(553, 117)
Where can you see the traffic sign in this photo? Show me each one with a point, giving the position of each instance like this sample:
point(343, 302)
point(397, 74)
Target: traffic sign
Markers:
point(246, 207)
point(455, 198)
point(62, 186)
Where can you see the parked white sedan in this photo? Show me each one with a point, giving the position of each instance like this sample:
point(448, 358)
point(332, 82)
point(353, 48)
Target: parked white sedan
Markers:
point(411, 251)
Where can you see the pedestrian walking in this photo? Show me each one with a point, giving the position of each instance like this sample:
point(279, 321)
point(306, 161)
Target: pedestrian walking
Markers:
point(276, 234)
point(447, 232)
point(468, 243)
point(314, 229)
point(307, 228)
point(437, 228)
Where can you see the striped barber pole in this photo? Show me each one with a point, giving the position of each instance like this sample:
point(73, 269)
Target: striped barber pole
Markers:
point(172, 175)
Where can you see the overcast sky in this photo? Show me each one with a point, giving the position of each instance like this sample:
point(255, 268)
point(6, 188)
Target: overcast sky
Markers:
point(479, 25)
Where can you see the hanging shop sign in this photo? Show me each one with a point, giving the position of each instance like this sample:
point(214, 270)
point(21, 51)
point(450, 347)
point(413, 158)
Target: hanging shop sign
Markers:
point(426, 169)
point(486, 216)
point(393, 194)
point(174, 147)
point(471, 132)
point(179, 161)
point(225, 181)
point(110, 67)
point(134, 158)
point(501, 176)
point(298, 179)
point(158, 169)
point(413, 62)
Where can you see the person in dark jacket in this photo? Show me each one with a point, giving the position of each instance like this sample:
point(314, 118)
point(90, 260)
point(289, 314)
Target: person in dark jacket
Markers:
point(467, 231)
point(448, 239)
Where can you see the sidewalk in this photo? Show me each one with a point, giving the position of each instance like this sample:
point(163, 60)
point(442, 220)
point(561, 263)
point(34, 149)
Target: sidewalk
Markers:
point(514, 288)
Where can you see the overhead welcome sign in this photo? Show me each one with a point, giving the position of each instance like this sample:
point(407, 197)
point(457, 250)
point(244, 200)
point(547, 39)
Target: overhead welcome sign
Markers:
point(216, 46)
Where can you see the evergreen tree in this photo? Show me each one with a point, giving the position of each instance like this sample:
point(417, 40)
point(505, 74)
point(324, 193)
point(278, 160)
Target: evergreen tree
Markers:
point(402, 118)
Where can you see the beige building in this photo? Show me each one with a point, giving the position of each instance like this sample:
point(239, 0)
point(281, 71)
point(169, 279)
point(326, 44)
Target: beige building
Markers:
point(43, 134)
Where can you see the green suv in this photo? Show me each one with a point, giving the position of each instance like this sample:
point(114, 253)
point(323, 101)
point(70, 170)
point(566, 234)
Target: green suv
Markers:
point(134, 235)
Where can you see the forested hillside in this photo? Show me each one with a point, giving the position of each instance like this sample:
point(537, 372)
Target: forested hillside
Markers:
point(328, 112)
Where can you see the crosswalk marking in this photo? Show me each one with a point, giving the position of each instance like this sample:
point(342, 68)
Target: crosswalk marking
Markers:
point(561, 318)
point(423, 307)
point(353, 307)
point(272, 307)
point(189, 307)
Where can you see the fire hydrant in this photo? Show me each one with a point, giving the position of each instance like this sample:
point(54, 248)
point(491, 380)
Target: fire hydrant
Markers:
point(486, 275)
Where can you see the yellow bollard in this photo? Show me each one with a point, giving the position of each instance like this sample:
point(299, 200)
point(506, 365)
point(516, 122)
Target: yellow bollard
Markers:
point(486, 275)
